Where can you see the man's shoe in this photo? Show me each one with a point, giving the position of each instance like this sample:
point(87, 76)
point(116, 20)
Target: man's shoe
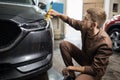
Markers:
point(69, 78)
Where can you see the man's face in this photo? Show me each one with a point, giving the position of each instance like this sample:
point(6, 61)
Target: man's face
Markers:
point(87, 22)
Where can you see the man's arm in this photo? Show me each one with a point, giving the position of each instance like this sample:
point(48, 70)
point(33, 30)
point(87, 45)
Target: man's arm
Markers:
point(57, 14)
point(77, 24)
point(76, 68)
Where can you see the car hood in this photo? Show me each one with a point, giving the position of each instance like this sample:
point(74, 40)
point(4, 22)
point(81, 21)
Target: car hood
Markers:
point(19, 12)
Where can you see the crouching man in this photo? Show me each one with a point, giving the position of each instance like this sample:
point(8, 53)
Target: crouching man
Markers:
point(96, 46)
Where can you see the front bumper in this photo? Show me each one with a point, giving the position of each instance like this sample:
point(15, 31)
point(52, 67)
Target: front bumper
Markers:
point(37, 68)
point(30, 57)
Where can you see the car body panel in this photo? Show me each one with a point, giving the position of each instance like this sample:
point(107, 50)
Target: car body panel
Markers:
point(114, 20)
point(20, 13)
point(26, 41)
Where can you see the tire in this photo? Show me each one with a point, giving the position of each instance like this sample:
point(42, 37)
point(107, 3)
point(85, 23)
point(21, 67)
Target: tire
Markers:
point(115, 37)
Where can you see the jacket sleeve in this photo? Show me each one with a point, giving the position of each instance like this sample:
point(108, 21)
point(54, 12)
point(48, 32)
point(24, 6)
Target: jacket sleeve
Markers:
point(100, 61)
point(76, 24)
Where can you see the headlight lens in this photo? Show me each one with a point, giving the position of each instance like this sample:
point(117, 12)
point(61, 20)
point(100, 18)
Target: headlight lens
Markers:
point(43, 23)
point(38, 24)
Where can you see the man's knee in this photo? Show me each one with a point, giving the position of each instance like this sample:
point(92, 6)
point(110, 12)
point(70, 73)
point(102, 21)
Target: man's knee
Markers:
point(64, 44)
point(85, 77)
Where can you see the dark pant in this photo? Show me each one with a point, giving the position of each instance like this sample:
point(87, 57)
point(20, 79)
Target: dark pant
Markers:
point(69, 51)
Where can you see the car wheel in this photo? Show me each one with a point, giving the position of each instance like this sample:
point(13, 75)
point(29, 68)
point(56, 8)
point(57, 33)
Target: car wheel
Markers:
point(115, 37)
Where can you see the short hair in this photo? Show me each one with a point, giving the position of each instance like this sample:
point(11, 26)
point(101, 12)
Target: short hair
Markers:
point(97, 15)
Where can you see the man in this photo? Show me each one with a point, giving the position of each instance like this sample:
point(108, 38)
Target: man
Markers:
point(96, 46)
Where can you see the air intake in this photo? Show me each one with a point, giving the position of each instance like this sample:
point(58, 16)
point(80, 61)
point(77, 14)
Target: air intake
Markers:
point(9, 31)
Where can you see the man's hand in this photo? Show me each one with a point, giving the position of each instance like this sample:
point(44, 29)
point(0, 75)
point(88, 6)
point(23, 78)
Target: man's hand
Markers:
point(53, 13)
point(65, 72)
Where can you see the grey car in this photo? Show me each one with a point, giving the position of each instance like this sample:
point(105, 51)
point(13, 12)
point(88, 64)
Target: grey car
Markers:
point(26, 40)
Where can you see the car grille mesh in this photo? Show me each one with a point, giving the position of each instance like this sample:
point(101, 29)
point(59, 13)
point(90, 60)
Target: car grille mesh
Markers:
point(8, 32)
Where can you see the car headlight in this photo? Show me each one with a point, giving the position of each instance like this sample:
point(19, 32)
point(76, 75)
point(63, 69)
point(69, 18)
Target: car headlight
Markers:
point(35, 25)
point(43, 23)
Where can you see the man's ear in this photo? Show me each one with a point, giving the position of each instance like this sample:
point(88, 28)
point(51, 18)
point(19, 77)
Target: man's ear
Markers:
point(95, 24)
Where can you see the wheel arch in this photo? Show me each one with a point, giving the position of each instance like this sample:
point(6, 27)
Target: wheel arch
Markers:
point(113, 26)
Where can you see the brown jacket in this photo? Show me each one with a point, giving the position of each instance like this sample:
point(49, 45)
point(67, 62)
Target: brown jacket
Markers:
point(97, 49)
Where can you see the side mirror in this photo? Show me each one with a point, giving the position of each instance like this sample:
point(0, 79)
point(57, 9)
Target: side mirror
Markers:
point(42, 5)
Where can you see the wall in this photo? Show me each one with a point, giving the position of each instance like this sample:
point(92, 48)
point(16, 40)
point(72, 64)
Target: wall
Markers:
point(73, 10)
point(109, 7)
point(112, 13)
point(91, 4)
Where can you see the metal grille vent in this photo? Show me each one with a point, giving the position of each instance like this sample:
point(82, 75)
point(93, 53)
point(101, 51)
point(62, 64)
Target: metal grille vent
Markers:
point(9, 31)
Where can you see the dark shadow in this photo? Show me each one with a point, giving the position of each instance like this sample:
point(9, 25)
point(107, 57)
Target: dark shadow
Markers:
point(43, 76)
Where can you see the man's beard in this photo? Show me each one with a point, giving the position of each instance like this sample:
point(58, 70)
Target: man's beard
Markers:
point(90, 31)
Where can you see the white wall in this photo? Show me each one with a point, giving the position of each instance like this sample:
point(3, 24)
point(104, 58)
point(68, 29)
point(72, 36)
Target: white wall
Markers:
point(109, 6)
point(74, 10)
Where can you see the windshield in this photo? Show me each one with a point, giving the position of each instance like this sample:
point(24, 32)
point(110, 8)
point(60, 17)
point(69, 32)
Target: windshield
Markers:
point(19, 1)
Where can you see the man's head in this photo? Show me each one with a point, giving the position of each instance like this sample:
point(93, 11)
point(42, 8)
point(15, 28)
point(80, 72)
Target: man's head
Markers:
point(97, 15)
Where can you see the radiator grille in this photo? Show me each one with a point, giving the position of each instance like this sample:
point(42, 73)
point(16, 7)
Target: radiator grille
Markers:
point(8, 32)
